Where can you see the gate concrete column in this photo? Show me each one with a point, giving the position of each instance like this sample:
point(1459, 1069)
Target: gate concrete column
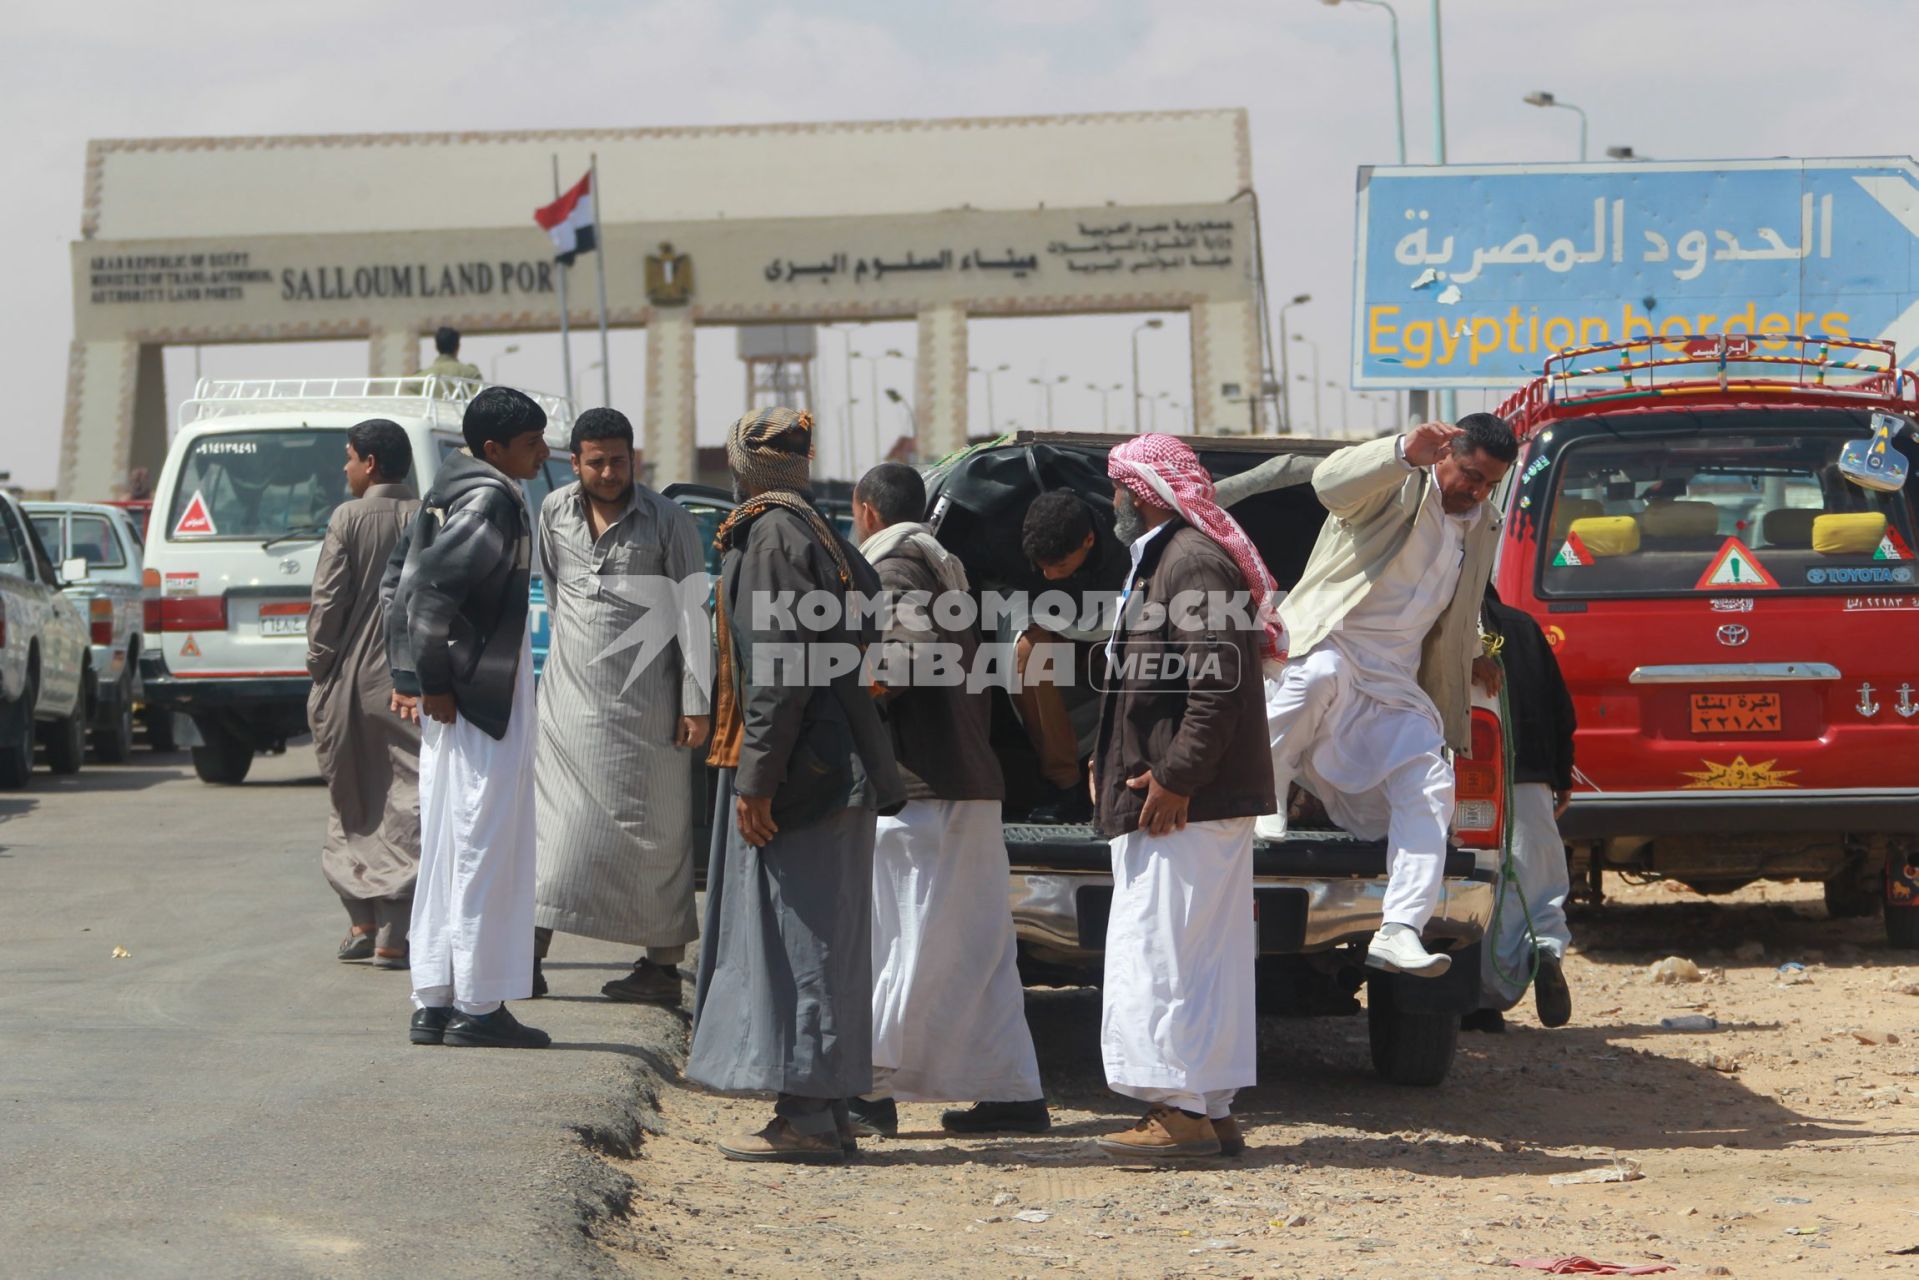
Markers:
point(1226, 364)
point(671, 454)
point(116, 417)
point(392, 353)
point(939, 393)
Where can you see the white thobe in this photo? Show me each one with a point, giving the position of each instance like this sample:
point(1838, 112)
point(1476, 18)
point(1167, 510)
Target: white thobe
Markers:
point(1349, 719)
point(1539, 888)
point(1177, 1021)
point(949, 1014)
point(472, 934)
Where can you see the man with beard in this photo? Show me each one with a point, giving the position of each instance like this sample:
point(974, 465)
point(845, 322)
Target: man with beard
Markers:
point(785, 999)
point(949, 1014)
point(1382, 630)
point(368, 754)
point(615, 800)
point(1180, 776)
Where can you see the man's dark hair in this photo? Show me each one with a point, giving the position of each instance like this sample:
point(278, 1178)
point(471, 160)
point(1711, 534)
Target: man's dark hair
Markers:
point(1055, 526)
point(446, 340)
point(895, 490)
point(385, 442)
point(499, 414)
point(1488, 433)
point(601, 424)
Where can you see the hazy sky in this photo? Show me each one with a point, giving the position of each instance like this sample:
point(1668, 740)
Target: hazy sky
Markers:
point(1673, 79)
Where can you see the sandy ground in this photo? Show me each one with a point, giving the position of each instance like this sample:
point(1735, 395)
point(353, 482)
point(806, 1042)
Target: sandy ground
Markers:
point(1784, 1143)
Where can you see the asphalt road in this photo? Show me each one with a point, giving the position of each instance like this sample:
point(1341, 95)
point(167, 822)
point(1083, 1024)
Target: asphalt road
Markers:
point(230, 1100)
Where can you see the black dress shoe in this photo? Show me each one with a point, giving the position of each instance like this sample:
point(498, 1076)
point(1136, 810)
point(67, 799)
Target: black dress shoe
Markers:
point(999, 1117)
point(649, 983)
point(1064, 806)
point(356, 946)
point(1551, 996)
point(429, 1025)
point(1491, 1021)
point(496, 1030)
point(874, 1118)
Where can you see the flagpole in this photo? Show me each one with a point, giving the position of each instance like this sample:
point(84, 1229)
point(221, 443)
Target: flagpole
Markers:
point(566, 341)
point(599, 266)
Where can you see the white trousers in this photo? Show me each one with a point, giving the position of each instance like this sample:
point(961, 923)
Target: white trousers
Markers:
point(471, 941)
point(1381, 771)
point(949, 1014)
point(1541, 886)
point(1177, 1023)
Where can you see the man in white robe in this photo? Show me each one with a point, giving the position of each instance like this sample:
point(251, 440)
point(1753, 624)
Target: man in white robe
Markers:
point(463, 664)
point(1382, 631)
point(949, 1013)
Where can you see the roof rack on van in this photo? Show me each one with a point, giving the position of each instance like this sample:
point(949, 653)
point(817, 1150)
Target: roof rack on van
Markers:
point(440, 399)
point(1771, 367)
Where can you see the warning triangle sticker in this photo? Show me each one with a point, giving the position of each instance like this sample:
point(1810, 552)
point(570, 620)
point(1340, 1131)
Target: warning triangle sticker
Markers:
point(190, 649)
point(196, 518)
point(1572, 552)
point(1735, 566)
point(1892, 547)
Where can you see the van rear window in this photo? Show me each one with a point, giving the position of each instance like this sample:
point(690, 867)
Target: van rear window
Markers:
point(258, 484)
point(1720, 514)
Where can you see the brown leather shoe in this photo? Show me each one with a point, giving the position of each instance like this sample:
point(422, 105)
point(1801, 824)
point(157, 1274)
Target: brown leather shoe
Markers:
point(779, 1142)
point(1165, 1133)
point(649, 983)
point(1231, 1141)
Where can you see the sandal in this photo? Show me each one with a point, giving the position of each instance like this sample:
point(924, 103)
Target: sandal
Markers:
point(384, 959)
point(356, 946)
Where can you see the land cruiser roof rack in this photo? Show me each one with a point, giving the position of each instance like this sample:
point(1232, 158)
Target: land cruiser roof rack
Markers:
point(1658, 369)
point(440, 399)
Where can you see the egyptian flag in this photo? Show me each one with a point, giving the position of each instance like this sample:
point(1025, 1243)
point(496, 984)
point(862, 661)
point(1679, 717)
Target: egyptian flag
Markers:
point(569, 221)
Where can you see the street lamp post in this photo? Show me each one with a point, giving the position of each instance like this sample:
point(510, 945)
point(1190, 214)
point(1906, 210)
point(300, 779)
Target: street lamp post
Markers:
point(845, 335)
point(1046, 385)
point(1319, 422)
point(493, 365)
point(912, 417)
point(992, 418)
point(1105, 395)
point(1285, 363)
point(1399, 94)
point(1540, 98)
point(1154, 323)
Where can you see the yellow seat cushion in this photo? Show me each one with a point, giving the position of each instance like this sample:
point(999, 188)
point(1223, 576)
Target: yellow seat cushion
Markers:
point(1788, 527)
point(1850, 533)
point(1569, 509)
point(1679, 519)
point(1607, 535)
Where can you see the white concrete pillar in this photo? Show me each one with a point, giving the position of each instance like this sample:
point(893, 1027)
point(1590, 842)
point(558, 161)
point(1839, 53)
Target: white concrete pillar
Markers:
point(115, 417)
point(1226, 366)
point(939, 392)
point(392, 353)
point(671, 452)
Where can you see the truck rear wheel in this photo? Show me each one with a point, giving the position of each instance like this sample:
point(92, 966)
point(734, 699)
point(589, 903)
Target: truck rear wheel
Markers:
point(67, 738)
point(1409, 1047)
point(1902, 902)
point(16, 753)
point(1850, 895)
point(223, 758)
point(160, 735)
point(113, 740)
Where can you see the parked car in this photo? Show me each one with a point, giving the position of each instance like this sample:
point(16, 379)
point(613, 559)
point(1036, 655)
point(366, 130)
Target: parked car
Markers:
point(45, 666)
point(106, 539)
point(240, 511)
point(1735, 619)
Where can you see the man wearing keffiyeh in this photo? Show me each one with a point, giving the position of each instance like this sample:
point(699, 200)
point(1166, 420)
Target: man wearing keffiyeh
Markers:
point(1180, 773)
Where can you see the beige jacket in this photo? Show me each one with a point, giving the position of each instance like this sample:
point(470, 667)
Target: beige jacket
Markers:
point(1373, 498)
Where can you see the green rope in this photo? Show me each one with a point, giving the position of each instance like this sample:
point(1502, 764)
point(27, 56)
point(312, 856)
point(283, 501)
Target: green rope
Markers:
point(1508, 874)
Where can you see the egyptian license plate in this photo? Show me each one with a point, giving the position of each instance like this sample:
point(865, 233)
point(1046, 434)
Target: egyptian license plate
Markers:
point(1720, 713)
point(283, 624)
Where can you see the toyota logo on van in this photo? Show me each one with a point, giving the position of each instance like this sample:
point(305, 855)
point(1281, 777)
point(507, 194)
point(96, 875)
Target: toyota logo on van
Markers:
point(1734, 635)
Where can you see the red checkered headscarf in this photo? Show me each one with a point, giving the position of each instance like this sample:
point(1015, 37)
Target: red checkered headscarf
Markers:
point(1165, 472)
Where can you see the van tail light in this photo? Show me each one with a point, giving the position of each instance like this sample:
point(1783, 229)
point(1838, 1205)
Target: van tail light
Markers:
point(1479, 785)
point(100, 620)
point(150, 616)
point(186, 613)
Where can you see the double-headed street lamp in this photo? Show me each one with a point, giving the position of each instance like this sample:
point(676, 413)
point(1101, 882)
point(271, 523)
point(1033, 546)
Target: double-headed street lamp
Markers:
point(1105, 395)
point(1319, 422)
point(992, 418)
point(1399, 92)
point(1154, 323)
point(1540, 98)
point(1047, 385)
point(1285, 363)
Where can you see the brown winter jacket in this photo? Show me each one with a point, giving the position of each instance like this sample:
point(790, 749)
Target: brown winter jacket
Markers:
point(1201, 731)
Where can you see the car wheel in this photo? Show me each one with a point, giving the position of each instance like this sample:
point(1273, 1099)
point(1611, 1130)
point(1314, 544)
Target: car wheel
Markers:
point(223, 758)
point(16, 753)
point(160, 735)
point(67, 738)
point(113, 742)
point(1409, 1047)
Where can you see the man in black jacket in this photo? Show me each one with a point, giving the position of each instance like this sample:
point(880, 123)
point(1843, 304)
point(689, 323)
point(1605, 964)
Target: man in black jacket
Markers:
point(458, 642)
point(1541, 726)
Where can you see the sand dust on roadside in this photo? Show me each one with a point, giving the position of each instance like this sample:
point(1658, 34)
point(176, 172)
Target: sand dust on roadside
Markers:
point(1784, 1143)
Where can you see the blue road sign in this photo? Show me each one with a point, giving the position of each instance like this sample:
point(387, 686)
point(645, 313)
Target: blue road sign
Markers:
point(1470, 276)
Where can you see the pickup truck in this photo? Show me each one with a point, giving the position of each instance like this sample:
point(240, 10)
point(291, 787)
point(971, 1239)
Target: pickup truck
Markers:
point(106, 540)
point(45, 666)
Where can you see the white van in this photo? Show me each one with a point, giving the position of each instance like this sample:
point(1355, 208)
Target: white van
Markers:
point(251, 478)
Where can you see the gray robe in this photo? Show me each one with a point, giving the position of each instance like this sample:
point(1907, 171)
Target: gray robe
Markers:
point(615, 794)
point(369, 756)
point(785, 997)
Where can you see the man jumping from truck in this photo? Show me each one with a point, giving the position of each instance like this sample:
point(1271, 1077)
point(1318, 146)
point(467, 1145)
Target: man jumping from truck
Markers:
point(1381, 634)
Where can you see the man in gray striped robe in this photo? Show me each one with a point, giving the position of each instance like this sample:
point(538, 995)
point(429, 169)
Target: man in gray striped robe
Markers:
point(621, 707)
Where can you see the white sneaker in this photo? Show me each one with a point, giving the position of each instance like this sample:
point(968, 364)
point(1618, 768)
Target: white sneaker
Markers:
point(1397, 949)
